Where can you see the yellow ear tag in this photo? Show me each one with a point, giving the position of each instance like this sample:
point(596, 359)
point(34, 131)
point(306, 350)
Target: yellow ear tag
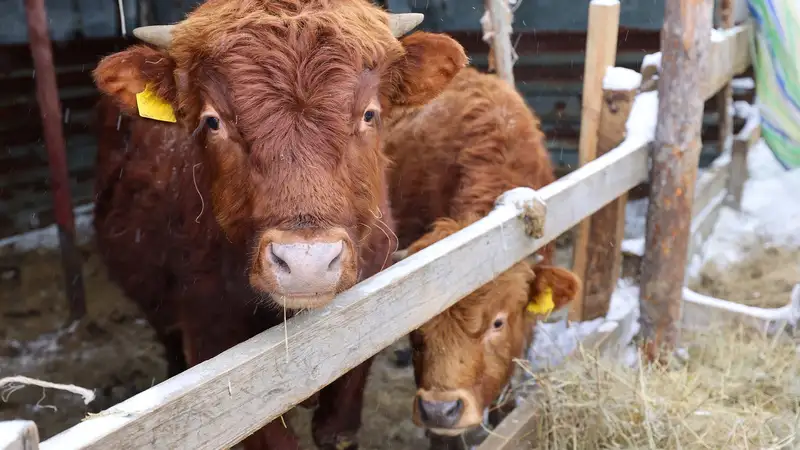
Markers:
point(153, 107)
point(543, 303)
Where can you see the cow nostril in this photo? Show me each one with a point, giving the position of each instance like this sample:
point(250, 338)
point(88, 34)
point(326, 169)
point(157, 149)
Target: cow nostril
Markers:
point(335, 262)
point(454, 410)
point(423, 414)
point(278, 261)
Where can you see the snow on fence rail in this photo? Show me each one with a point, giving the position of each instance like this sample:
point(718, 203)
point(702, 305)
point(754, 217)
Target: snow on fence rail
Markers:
point(219, 402)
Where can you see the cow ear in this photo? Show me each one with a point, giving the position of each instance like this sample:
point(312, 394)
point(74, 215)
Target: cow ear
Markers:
point(430, 62)
point(125, 74)
point(552, 289)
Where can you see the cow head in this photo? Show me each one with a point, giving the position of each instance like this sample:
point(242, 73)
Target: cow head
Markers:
point(285, 98)
point(464, 356)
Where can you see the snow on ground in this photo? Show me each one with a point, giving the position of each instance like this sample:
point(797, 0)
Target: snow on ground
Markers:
point(770, 211)
point(47, 237)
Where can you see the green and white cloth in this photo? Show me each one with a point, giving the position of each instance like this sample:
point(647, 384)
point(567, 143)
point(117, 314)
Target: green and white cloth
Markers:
point(776, 63)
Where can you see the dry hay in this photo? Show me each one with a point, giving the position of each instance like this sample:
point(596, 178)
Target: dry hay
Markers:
point(764, 278)
point(738, 390)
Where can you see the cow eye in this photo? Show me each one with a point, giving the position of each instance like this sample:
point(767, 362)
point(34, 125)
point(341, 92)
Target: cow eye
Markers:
point(498, 323)
point(369, 115)
point(212, 123)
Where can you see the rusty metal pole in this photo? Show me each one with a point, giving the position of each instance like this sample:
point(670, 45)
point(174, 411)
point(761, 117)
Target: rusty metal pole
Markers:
point(50, 111)
point(685, 44)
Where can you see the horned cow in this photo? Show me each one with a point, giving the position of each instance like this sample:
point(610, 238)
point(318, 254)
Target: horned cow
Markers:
point(240, 171)
point(451, 159)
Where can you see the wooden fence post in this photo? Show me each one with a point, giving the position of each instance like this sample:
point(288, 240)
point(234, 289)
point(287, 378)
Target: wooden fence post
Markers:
point(601, 53)
point(496, 24)
point(685, 45)
point(607, 226)
point(748, 136)
point(725, 96)
point(19, 435)
point(50, 112)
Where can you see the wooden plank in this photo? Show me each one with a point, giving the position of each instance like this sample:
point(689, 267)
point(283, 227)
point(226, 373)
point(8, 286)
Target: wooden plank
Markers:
point(728, 55)
point(676, 151)
point(19, 435)
point(710, 184)
point(607, 226)
point(498, 26)
point(220, 401)
point(747, 137)
point(601, 52)
point(515, 431)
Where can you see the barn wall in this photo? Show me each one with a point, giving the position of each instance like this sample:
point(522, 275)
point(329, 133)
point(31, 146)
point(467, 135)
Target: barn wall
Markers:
point(551, 45)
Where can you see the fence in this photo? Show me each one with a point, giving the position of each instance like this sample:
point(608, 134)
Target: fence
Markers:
point(221, 401)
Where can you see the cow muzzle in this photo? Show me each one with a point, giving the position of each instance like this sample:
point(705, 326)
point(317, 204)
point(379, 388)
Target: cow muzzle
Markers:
point(304, 269)
point(447, 413)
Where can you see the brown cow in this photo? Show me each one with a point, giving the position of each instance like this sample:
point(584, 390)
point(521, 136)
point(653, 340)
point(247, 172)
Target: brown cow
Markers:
point(269, 191)
point(452, 158)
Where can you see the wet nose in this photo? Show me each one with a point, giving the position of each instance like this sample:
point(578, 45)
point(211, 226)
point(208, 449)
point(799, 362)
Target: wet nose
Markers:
point(306, 268)
point(440, 414)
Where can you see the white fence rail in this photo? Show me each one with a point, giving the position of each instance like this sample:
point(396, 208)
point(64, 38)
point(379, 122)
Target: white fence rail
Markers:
point(219, 402)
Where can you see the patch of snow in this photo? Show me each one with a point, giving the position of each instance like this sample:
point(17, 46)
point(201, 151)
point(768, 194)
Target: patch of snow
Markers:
point(718, 35)
point(743, 83)
point(653, 59)
point(633, 246)
point(769, 211)
point(553, 342)
point(636, 218)
point(641, 124)
point(47, 237)
point(621, 79)
point(743, 109)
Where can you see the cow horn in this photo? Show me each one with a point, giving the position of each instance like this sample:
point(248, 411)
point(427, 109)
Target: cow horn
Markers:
point(158, 35)
point(400, 24)
point(399, 255)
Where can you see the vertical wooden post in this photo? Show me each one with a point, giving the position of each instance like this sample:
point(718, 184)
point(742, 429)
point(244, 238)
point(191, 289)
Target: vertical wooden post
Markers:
point(501, 54)
point(724, 98)
point(748, 136)
point(601, 53)
point(50, 111)
point(685, 43)
point(19, 435)
point(607, 226)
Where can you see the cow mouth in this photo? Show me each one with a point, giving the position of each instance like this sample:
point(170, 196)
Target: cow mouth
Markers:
point(304, 301)
point(450, 432)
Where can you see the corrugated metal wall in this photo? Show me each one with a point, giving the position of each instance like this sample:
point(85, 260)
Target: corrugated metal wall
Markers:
point(550, 42)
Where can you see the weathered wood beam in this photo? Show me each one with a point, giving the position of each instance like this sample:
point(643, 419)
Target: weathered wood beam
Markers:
point(742, 143)
point(685, 58)
point(601, 53)
point(607, 226)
